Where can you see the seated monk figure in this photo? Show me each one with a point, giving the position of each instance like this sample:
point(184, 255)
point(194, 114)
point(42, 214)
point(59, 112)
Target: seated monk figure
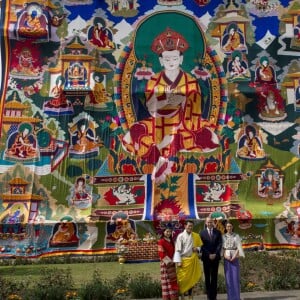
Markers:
point(250, 145)
point(24, 144)
point(233, 39)
point(65, 234)
point(83, 138)
point(99, 94)
point(173, 99)
point(265, 73)
point(32, 24)
point(59, 99)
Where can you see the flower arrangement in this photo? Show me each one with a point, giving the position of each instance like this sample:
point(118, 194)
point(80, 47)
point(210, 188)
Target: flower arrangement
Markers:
point(72, 295)
point(121, 250)
point(14, 297)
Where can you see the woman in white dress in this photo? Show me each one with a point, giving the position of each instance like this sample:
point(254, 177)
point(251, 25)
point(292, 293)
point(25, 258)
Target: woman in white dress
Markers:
point(232, 248)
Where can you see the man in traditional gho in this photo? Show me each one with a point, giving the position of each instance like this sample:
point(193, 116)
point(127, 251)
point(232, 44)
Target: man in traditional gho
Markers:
point(186, 257)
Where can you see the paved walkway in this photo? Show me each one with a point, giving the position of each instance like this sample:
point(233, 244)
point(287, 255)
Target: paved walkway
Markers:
point(278, 295)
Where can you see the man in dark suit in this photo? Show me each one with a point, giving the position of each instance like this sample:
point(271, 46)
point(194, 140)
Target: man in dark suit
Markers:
point(211, 255)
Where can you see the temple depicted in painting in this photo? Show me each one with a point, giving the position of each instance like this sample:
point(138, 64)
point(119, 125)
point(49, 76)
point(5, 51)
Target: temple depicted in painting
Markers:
point(20, 208)
point(291, 86)
point(230, 28)
point(74, 65)
point(290, 37)
point(27, 140)
point(15, 113)
point(70, 78)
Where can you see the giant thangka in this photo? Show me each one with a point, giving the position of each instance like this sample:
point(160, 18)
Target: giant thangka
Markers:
point(121, 116)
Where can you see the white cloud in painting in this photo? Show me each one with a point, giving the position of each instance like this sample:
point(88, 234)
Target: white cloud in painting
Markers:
point(75, 27)
point(273, 128)
point(297, 135)
point(205, 20)
point(266, 41)
point(123, 30)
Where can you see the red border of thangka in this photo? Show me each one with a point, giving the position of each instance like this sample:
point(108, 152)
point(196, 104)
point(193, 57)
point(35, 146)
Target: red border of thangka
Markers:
point(4, 35)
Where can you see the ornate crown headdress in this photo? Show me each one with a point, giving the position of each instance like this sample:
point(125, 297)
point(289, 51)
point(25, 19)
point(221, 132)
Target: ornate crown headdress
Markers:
point(169, 40)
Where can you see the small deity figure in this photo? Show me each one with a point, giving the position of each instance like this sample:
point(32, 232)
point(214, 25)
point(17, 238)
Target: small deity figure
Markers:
point(131, 4)
point(56, 20)
point(81, 194)
point(12, 222)
point(133, 238)
point(14, 217)
point(25, 65)
point(265, 74)
point(59, 100)
point(270, 104)
point(80, 189)
point(99, 94)
point(250, 146)
point(123, 230)
point(22, 144)
point(291, 230)
point(76, 75)
point(64, 235)
point(32, 24)
point(83, 138)
point(238, 68)
point(148, 237)
point(233, 39)
point(101, 36)
point(297, 30)
point(270, 184)
point(115, 5)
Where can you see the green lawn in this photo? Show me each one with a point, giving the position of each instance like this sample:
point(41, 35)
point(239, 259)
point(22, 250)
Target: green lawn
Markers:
point(256, 268)
point(81, 272)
